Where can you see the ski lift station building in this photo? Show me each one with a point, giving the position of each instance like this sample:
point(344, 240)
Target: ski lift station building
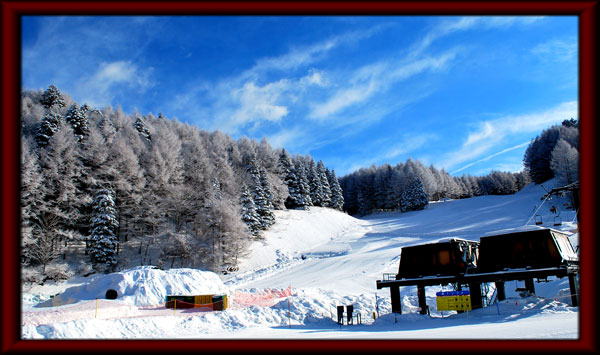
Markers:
point(520, 255)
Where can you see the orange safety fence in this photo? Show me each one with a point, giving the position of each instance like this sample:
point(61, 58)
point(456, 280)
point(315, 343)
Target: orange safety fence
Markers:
point(265, 298)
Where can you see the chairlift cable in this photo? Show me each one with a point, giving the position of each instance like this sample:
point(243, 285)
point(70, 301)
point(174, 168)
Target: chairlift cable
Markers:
point(540, 206)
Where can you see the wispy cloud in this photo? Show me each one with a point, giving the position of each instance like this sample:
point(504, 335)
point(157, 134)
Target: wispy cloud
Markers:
point(560, 50)
point(99, 88)
point(250, 99)
point(372, 79)
point(287, 138)
point(510, 149)
point(491, 134)
point(450, 26)
point(306, 55)
point(82, 46)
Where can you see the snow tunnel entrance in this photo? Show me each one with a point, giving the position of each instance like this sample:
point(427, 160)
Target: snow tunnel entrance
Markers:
point(111, 294)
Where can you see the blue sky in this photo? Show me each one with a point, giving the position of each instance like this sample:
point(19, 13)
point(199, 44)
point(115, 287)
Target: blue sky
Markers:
point(466, 94)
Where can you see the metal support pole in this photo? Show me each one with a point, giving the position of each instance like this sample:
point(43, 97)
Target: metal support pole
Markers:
point(530, 286)
point(500, 290)
point(573, 289)
point(395, 299)
point(475, 291)
point(421, 297)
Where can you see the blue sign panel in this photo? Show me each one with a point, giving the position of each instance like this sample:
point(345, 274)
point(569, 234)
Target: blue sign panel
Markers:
point(453, 293)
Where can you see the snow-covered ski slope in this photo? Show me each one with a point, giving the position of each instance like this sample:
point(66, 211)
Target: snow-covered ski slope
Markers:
point(329, 259)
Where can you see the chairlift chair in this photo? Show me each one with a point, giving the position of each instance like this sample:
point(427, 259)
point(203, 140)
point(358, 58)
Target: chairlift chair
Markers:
point(557, 221)
point(538, 219)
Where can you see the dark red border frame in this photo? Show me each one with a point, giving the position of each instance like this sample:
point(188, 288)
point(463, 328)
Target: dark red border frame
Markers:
point(11, 12)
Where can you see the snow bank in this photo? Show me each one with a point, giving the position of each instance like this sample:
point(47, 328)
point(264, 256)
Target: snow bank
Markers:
point(143, 286)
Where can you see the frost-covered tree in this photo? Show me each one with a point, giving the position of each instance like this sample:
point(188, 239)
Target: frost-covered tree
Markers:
point(413, 195)
point(261, 195)
point(288, 173)
point(49, 125)
point(76, 117)
point(303, 192)
point(565, 162)
point(103, 241)
point(337, 195)
point(325, 187)
point(314, 184)
point(538, 156)
point(52, 97)
point(140, 126)
point(248, 211)
point(266, 211)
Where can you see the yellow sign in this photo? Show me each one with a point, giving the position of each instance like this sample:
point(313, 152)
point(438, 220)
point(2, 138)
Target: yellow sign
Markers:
point(453, 301)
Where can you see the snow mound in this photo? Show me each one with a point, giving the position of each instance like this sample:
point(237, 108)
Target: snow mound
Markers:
point(143, 286)
point(298, 232)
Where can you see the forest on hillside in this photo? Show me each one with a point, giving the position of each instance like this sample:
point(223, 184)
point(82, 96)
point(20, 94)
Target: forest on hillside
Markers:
point(102, 190)
point(410, 186)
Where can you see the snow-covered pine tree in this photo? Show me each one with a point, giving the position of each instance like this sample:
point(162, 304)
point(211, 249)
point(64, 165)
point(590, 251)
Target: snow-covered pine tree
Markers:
point(49, 125)
point(314, 183)
point(303, 193)
point(285, 167)
point(76, 117)
point(140, 126)
point(325, 187)
point(287, 172)
point(52, 97)
point(260, 197)
point(413, 195)
point(248, 211)
point(337, 195)
point(103, 228)
point(267, 212)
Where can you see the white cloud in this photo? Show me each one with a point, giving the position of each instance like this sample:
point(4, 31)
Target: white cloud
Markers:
point(305, 55)
point(491, 156)
point(557, 50)
point(372, 79)
point(448, 27)
point(286, 138)
point(492, 133)
point(98, 89)
point(68, 52)
point(249, 99)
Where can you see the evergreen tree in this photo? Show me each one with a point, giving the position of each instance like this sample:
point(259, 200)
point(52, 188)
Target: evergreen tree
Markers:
point(140, 126)
point(49, 125)
point(103, 225)
point(287, 172)
point(261, 196)
point(76, 117)
point(249, 214)
point(325, 186)
point(267, 213)
point(413, 195)
point(315, 184)
point(303, 193)
point(571, 123)
point(52, 97)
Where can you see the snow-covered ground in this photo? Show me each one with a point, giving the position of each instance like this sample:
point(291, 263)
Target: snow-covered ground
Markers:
point(309, 263)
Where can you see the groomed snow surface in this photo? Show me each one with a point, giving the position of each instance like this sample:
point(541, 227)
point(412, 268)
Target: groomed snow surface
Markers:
point(309, 263)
